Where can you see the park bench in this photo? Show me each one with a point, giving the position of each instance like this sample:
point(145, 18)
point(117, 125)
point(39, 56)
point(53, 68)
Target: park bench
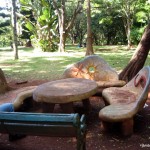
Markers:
point(125, 102)
point(45, 124)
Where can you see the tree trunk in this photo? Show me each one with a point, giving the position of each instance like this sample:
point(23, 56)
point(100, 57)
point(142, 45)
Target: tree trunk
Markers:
point(3, 83)
point(128, 33)
point(14, 29)
point(62, 33)
point(64, 27)
point(89, 46)
point(62, 43)
point(139, 57)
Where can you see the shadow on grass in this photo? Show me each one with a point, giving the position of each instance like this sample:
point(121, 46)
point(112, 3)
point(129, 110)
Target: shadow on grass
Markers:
point(44, 65)
point(6, 49)
point(19, 48)
point(26, 49)
point(39, 67)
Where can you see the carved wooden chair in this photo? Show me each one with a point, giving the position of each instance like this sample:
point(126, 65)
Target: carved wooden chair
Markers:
point(125, 102)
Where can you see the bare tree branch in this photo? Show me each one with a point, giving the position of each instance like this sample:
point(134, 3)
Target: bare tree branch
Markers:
point(76, 12)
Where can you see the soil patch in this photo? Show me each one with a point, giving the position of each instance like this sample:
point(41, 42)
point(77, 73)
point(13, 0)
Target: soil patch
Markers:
point(95, 139)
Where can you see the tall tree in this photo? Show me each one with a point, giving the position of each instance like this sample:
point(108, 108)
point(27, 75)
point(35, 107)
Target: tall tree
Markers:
point(107, 26)
point(65, 24)
point(14, 28)
point(127, 17)
point(139, 57)
point(89, 45)
point(126, 11)
point(79, 30)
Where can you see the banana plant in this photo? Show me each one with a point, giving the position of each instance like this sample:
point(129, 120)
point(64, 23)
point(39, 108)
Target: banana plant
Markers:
point(41, 22)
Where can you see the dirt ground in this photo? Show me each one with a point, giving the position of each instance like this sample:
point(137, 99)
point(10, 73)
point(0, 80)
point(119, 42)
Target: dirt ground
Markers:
point(96, 139)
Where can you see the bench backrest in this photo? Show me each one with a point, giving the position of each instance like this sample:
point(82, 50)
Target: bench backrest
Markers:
point(91, 67)
point(141, 84)
point(41, 124)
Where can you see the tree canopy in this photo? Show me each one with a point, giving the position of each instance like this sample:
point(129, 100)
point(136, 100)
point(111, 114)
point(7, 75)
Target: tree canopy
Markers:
point(50, 24)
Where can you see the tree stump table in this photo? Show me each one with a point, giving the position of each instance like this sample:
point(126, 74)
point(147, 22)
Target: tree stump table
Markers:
point(64, 92)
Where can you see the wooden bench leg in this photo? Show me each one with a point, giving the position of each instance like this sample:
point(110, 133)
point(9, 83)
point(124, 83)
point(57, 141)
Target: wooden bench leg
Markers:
point(81, 139)
point(87, 105)
point(81, 145)
point(105, 126)
point(67, 107)
point(127, 127)
point(47, 108)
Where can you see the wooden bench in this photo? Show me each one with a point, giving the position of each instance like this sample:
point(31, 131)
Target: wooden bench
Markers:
point(44, 124)
point(125, 102)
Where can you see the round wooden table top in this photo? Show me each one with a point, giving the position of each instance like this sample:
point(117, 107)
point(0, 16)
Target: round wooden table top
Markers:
point(65, 90)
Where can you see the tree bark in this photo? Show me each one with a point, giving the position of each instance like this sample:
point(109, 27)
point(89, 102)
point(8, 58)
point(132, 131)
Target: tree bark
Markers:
point(14, 29)
point(89, 45)
point(3, 83)
point(139, 57)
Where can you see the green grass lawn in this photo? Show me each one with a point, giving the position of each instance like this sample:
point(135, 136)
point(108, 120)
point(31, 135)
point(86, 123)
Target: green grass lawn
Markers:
point(34, 64)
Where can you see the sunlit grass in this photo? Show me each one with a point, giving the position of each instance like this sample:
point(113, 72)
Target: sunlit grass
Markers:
point(34, 64)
